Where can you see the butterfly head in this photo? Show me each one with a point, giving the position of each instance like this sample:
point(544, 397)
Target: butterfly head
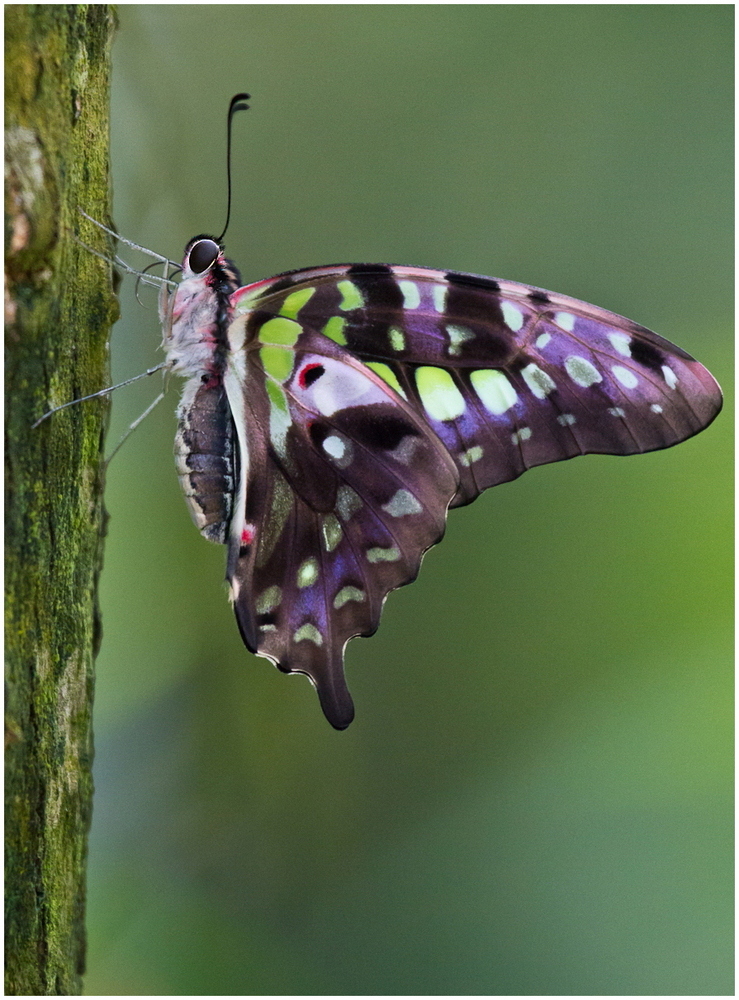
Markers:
point(204, 258)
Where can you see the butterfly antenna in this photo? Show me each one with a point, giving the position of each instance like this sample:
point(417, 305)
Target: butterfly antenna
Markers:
point(237, 104)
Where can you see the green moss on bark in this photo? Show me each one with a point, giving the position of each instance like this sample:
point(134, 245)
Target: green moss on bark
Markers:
point(59, 307)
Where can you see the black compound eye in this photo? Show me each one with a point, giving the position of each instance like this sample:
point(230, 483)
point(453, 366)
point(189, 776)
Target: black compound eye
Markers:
point(202, 255)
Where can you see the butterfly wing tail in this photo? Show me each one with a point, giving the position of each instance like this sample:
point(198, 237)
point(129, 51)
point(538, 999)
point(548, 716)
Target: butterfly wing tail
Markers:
point(326, 676)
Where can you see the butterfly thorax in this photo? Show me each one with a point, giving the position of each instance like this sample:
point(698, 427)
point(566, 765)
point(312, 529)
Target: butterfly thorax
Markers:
point(199, 315)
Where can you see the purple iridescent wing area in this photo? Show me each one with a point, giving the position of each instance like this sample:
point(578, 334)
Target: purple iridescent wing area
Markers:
point(508, 376)
point(368, 398)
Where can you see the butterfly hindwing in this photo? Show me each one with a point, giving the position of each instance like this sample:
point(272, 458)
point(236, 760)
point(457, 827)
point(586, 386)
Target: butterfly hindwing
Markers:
point(346, 488)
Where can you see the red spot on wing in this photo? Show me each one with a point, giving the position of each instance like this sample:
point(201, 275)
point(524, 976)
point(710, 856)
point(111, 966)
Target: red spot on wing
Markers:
point(304, 375)
point(248, 533)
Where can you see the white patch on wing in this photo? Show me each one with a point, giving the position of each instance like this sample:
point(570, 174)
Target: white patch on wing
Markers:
point(621, 342)
point(521, 435)
point(670, 377)
point(625, 376)
point(538, 381)
point(411, 294)
point(339, 386)
point(565, 320)
point(334, 446)
point(402, 503)
point(439, 295)
point(581, 371)
point(512, 315)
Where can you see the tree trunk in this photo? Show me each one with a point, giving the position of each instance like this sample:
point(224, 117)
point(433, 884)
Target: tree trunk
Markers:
point(58, 309)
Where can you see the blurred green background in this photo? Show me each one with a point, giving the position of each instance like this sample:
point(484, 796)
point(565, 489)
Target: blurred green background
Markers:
point(535, 797)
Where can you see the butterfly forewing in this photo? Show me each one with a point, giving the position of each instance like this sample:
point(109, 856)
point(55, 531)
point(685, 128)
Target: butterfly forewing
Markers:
point(508, 376)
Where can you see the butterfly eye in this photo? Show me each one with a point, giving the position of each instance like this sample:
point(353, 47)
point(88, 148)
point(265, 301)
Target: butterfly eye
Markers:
point(202, 255)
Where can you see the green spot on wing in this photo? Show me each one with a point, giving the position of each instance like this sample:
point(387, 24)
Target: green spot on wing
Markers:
point(277, 397)
point(441, 399)
point(268, 600)
point(397, 339)
point(347, 594)
point(387, 375)
point(378, 554)
point(473, 454)
point(295, 302)
point(331, 532)
point(334, 330)
point(309, 632)
point(277, 361)
point(280, 330)
point(352, 297)
point(307, 573)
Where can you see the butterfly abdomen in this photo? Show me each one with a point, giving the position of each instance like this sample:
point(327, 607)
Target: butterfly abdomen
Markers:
point(204, 456)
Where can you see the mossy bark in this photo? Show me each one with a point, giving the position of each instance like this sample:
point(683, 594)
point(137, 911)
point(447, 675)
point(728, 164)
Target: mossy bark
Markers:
point(58, 309)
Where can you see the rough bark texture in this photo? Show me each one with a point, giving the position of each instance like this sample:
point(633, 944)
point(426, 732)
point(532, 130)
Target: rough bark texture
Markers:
point(58, 309)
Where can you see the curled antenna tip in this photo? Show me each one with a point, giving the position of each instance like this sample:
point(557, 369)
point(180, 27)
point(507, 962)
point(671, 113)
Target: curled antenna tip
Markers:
point(237, 103)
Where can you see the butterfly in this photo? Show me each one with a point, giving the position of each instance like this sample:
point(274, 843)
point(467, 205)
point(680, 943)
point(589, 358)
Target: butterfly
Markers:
point(332, 416)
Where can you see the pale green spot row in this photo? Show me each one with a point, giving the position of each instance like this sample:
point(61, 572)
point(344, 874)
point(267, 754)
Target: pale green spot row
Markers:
point(295, 302)
point(347, 502)
point(277, 398)
point(521, 435)
point(347, 594)
point(439, 295)
point(352, 297)
point(309, 632)
point(391, 554)
point(473, 454)
point(307, 573)
point(277, 362)
point(495, 391)
point(387, 375)
point(279, 417)
point(441, 399)
point(542, 340)
point(457, 336)
point(402, 503)
point(655, 408)
point(397, 338)
point(331, 532)
point(268, 600)
point(565, 320)
point(581, 371)
point(616, 411)
point(280, 331)
point(512, 315)
point(566, 419)
point(334, 330)
point(411, 294)
point(538, 381)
